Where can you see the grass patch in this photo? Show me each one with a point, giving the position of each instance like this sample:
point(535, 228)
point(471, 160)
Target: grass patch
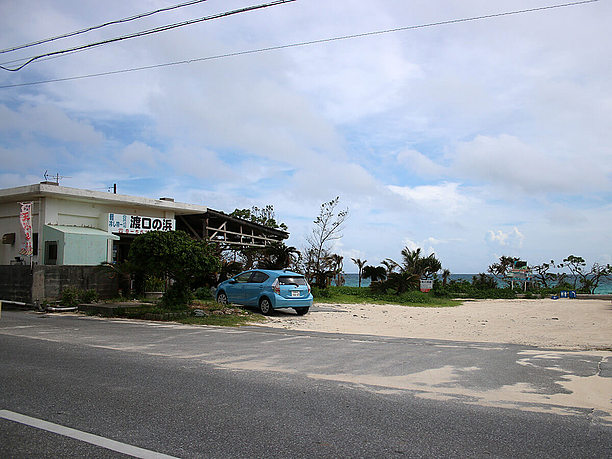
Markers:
point(356, 295)
point(197, 313)
point(224, 320)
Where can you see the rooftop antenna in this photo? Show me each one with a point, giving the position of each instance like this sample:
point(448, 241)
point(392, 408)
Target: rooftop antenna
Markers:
point(57, 177)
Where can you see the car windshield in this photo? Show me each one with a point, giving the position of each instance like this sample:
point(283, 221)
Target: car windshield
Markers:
point(291, 280)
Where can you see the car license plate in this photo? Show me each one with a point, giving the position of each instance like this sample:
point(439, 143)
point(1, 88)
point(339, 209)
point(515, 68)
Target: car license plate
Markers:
point(295, 293)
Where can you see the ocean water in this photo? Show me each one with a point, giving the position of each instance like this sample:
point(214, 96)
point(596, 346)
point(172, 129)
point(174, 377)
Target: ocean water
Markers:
point(352, 280)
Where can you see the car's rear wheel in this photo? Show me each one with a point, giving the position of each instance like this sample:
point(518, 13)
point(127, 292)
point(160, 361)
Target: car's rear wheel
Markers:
point(222, 298)
point(301, 311)
point(265, 306)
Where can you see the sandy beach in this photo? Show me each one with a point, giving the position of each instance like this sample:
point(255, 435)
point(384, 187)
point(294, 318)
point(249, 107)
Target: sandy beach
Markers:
point(563, 323)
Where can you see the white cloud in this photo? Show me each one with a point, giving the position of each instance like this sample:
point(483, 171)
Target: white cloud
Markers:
point(508, 162)
point(420, 164)
point(445, 199)
point(510, 239)
point(47, 120)
point(137, 154)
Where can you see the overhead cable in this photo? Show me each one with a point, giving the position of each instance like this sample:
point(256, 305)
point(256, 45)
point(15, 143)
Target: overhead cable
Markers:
point(299, 44)
point(148, 32)
point(106, 24)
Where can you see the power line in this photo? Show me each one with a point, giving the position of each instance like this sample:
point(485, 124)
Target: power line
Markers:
point(303, 43)
point(149, 32)
point(89, 29)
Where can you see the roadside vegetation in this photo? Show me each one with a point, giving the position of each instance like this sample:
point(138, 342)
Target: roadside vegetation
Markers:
point(198, 312)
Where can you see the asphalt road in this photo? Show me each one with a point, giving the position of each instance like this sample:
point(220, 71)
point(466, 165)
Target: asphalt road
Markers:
point(257, 392)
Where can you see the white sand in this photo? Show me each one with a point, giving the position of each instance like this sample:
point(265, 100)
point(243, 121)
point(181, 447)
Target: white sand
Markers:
point(565, 323)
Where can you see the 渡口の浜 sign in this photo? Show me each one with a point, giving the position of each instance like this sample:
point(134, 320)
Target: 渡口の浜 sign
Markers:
point(138, 224)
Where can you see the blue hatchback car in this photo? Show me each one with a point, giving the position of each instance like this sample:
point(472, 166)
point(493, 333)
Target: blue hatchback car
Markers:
point(268, 290)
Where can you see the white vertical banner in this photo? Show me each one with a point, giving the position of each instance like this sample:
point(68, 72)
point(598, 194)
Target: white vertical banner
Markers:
point(25, 218)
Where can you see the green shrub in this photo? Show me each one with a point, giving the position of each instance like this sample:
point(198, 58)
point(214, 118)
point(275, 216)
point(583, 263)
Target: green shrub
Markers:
point(154, 284)
point(177, 297)
point(70, 297)
point(204, 293)
point(88, 296)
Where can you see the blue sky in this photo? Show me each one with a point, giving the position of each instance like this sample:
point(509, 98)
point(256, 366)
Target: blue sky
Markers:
point(472, 140)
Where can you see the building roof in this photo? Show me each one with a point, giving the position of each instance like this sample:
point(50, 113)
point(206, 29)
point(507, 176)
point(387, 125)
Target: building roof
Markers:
point(84, 230)
point(52, 189)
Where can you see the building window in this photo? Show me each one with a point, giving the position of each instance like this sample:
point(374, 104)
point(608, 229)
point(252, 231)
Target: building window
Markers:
point(50, 252)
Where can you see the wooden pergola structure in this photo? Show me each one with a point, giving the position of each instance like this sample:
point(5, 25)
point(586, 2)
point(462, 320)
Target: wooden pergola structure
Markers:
point(227, 231)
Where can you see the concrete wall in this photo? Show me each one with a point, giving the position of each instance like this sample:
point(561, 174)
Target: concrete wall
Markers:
point(21, 283)
point(16, 283)
point(49, 281)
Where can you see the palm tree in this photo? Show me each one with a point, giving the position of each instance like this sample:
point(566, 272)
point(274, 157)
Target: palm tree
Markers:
point(360, 264)
point(413, 268)
point(374, 273)
point(419, 266)
point(389, 265)
point(279, 256)
point(445, 275)
point(336, 266)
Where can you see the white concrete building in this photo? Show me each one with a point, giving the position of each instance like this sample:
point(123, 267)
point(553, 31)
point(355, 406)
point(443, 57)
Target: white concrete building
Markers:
point(71, 226)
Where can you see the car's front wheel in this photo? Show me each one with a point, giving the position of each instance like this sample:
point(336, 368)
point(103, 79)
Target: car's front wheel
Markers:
point(265, 306)
point(222, 298)
point(301, 311)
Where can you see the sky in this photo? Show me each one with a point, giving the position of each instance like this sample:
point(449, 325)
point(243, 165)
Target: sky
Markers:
point(472, 140)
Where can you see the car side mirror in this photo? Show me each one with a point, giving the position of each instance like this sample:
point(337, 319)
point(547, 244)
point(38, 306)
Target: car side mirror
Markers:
point(232, 281)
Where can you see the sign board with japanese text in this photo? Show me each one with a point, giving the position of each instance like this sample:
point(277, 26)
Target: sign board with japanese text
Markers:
point(426, 285)
point(25, 218)
point(138, 224)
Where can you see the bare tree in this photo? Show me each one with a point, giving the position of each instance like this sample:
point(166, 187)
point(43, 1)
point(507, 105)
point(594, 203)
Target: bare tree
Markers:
point(327, 228)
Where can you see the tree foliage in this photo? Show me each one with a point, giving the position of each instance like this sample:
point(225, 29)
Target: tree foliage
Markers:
point(575, 265)
point(410, 271)
point(176, 256)
point(589, 279)
point(360, 265)
point(263, 216)
point(582, 279)
point(502, 269)
point(336, 263)
point(484, 282)
point(415, 263)
point(278, 256)
point(374, 273)
point(541, 274)
point(445, 275)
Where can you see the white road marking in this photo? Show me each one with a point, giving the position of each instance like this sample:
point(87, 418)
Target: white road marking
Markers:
point(82, 436)
point(285, 339)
